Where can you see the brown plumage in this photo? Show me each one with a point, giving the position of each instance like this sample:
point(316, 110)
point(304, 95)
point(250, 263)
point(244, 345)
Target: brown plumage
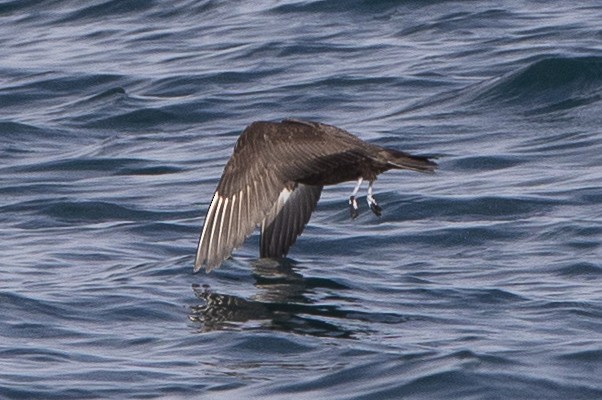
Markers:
point(274, 180)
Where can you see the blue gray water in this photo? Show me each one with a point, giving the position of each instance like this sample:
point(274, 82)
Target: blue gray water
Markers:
point(482, 281)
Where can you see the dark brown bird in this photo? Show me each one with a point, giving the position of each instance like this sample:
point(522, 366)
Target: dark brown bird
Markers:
point(274, 180)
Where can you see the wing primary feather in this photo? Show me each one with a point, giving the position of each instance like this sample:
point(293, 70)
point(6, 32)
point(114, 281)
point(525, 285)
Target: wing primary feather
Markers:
point(231, 233)
point(254, 201)
point(201, 255)
point(249, 208)
point(211, 248)
point(221, 237)
point(239, 221)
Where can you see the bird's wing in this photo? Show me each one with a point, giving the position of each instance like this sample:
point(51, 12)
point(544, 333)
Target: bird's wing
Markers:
point(245, 194)
point(267, 159)
point(287, 219)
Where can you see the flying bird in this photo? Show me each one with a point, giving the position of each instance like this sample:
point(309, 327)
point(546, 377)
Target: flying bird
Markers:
point(274, 179)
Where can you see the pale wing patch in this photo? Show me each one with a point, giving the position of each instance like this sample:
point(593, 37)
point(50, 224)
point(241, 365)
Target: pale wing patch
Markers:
point(202, 247)
point(231, 225)
point(231, 219)
point(287, 219)
point(283, 197)
point(220, 236)
point(212, 237)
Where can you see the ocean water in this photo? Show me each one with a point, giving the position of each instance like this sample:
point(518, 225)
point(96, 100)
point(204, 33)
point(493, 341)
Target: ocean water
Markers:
point(482, 281)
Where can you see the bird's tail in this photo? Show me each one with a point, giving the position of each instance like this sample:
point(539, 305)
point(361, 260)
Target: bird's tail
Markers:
point(401, 160)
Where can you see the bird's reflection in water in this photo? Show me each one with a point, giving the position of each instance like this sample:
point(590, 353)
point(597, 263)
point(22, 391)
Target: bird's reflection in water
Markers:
point(281, 303)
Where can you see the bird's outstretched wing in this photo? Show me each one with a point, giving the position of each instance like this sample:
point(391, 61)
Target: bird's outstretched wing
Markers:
point(263, 165)
point(245, 193)
point(287, 219)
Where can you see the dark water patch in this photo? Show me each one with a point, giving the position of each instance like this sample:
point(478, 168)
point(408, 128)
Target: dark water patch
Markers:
point(275, 345)
point(374, 9)
point(486, 163)
point(490, 296)
point(462, 374)
point(156, 170)
point(581, 309)
point(108, 9)
point(22, 139)
point(198, 114)
point(37, 355)
point(57, 84)
point(586, 270)
point(475, 384)
point(54, 97)
point(585, 244)
point(225, 82)
point(478, 358)
point(468, 236)
point(94, 211)
point(461, 23)
point(572, 233)
point(32, 305)
point(8, 8)
point(564, 105)
point(157, 229)
point(478, 297)
point(333, 246)
point(43, 329)
point(82, 166)
point(99, 104)
point(41, 318)
point(316, 6)
point(123, 311)
point(466, 208)
point(25, 391)
point(19, 130)
point(135, 120)
point(305, 49)
point(108, 94)
point(593, 356)
point(180, 86)
point(549, 85)
point(589, 195)
point(566, 143)
point(551, 73)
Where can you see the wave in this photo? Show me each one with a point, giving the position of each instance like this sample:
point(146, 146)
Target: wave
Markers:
point(550, 84)
point(108, 9)
point(17, 132)
point(101, 165)
point(553, 84)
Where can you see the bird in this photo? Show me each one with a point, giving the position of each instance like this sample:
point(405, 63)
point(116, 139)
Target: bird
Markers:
point(274, 179)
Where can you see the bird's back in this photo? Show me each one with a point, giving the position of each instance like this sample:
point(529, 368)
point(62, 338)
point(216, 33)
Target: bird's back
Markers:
point(309, 152)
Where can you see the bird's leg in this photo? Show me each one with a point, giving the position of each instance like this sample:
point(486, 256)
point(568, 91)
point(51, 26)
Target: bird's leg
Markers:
point(353, 201)
point(372, 201)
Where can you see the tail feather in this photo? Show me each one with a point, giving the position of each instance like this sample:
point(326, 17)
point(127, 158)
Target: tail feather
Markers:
point(401, 160)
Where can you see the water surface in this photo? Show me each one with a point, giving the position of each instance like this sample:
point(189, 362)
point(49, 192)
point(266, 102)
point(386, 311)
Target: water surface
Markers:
point(479, 282)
